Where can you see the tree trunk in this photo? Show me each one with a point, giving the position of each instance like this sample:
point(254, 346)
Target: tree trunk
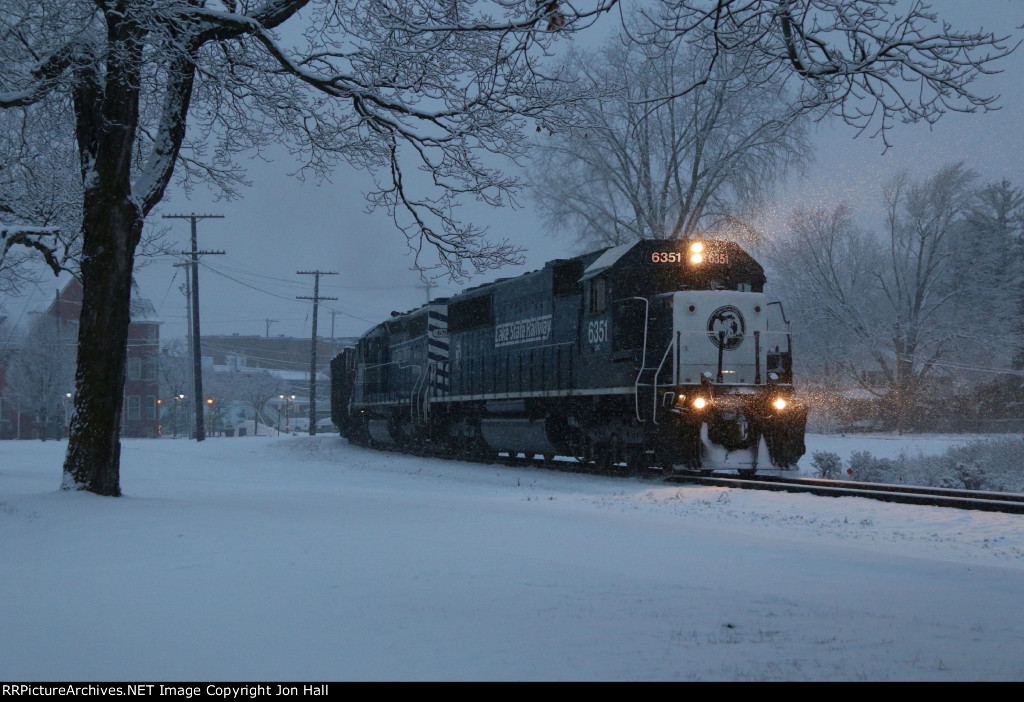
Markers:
point(110, 231)
point(106, 120)
point(905, 390)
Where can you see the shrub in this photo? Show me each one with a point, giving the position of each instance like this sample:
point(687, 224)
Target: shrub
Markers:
point(826, 464)
point(994, 464)
point(866, 468)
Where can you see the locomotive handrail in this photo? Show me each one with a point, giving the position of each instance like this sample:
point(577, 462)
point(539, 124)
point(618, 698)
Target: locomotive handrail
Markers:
point(643, 354)
point(757, 358)
point(654, 411)
point(782, 311)
point(414, 407)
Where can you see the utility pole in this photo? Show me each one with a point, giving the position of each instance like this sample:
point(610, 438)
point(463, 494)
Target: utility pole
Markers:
point(197, 358)
point(428, 285)
point(186, 290)
point(312, 353)
point(269, 322)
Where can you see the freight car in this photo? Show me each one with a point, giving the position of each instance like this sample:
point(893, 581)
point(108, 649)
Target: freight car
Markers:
point(655, 354)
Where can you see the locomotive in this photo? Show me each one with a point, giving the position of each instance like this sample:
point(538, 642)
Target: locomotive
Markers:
point(659, 354)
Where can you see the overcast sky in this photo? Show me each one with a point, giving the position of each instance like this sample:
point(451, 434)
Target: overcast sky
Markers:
point(282, 225)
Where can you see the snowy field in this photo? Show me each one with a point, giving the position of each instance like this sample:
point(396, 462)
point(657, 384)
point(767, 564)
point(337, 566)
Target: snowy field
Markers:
point(299, 558)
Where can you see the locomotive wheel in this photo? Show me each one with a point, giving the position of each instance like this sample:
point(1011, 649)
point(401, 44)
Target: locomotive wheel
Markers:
point(584, 452)
point(636, 461)
point(607, 455)
point(603, 457)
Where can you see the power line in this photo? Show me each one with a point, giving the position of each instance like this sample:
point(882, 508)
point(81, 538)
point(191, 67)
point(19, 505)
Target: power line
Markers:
point(215, 271)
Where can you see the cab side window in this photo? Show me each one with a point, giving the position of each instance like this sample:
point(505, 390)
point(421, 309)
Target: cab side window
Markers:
point(598, 299)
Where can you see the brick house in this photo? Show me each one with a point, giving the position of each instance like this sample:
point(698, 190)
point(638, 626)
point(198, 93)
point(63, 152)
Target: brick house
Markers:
point(140, 416)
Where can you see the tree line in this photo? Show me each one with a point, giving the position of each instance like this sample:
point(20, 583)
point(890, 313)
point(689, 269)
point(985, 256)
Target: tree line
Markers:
point(919, 312)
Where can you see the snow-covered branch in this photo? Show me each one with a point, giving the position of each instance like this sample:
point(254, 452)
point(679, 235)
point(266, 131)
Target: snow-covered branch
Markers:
point(872, 63)
point(40, 239)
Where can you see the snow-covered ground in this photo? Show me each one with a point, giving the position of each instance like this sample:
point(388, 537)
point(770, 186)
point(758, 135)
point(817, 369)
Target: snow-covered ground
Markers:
point(299, 558)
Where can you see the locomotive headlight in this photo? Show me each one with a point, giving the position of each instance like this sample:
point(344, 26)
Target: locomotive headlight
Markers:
point(699, 403)
point(779, 404)
point(696, 252)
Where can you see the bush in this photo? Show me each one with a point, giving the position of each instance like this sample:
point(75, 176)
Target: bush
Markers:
point(866, 468)
point(996, 465)
point(971, 475)
point(826, 464)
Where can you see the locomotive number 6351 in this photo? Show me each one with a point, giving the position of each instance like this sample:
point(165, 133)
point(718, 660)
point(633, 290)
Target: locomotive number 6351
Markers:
point(597, 331)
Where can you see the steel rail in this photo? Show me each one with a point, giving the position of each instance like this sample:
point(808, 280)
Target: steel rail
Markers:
point(1008, 502)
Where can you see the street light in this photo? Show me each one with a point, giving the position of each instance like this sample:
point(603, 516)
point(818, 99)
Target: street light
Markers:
point(177, 408)
point(66, 403)
point(287, 401)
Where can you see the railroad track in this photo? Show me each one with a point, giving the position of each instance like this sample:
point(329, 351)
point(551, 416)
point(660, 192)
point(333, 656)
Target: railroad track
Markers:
point(1008, 502)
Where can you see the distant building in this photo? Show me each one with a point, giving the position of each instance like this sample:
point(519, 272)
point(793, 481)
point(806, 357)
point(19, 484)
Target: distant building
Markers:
point(286, 358)
point(140, 415)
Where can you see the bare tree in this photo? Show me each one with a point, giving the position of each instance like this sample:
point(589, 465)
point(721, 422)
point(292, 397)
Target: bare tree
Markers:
point(929, 324)
point(40, 376)
point(389, 86)
point(920, 304)
point(255, 390)
point(641, 166)
point(826, 269)
point(175, 368)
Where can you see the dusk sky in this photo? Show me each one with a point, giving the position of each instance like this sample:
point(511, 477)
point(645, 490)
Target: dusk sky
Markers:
point(281, 225)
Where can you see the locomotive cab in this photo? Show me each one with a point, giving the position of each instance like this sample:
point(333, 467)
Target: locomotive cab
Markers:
point(710, 351)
